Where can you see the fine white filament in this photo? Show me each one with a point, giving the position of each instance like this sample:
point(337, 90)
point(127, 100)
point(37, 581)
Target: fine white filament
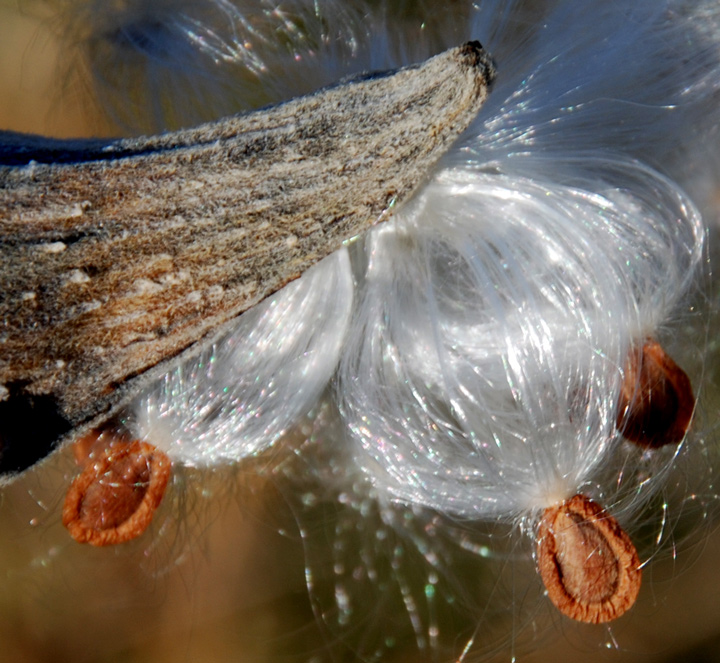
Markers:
point(237, 398)
point(486, 350)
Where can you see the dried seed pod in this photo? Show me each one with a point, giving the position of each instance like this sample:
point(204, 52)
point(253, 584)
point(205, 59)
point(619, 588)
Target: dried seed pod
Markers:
point(119, 255)
point(587, 562)
point(656, 399)
point(117, 494)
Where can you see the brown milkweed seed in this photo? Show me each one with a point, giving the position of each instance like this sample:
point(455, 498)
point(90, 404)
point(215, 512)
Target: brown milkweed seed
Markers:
point(93, 445)
point(116, 496)
point(656, 398)
point(587, 562)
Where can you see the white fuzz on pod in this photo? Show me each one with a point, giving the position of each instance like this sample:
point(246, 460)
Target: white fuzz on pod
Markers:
point(237, 398)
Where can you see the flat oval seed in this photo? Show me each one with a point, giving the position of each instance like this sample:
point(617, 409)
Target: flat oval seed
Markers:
point(116, 496)
point(656, 399)
point(587, 562)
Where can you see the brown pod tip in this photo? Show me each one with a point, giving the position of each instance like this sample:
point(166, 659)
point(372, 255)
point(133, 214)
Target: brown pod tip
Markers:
point(115, 497)
point(587, 562)
point(656, 398)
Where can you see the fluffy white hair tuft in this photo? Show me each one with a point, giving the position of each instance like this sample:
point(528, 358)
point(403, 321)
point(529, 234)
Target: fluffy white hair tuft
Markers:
point(483, 366)
point(240, 396)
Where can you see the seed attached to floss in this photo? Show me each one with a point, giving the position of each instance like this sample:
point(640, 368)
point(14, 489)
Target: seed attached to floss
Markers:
point(117, 494)
point(587, 562)
point(656, 398)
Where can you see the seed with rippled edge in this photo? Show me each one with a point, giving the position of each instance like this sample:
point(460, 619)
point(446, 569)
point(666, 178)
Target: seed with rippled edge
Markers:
point(656, 399)
point(115, 497)
point(587, 562)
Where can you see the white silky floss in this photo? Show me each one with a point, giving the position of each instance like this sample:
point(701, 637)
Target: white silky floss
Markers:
point(480, 365)
point(482, 372)
point(483, 367)
point(240, 396)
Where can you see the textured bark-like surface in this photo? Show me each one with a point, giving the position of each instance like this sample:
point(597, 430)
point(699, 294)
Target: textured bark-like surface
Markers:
point(119, 255)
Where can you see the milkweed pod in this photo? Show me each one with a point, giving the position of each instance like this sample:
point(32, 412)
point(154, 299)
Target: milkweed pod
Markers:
point(118, 256)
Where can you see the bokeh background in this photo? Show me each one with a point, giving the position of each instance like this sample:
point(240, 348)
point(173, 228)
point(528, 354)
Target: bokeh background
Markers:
point(221, 575)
